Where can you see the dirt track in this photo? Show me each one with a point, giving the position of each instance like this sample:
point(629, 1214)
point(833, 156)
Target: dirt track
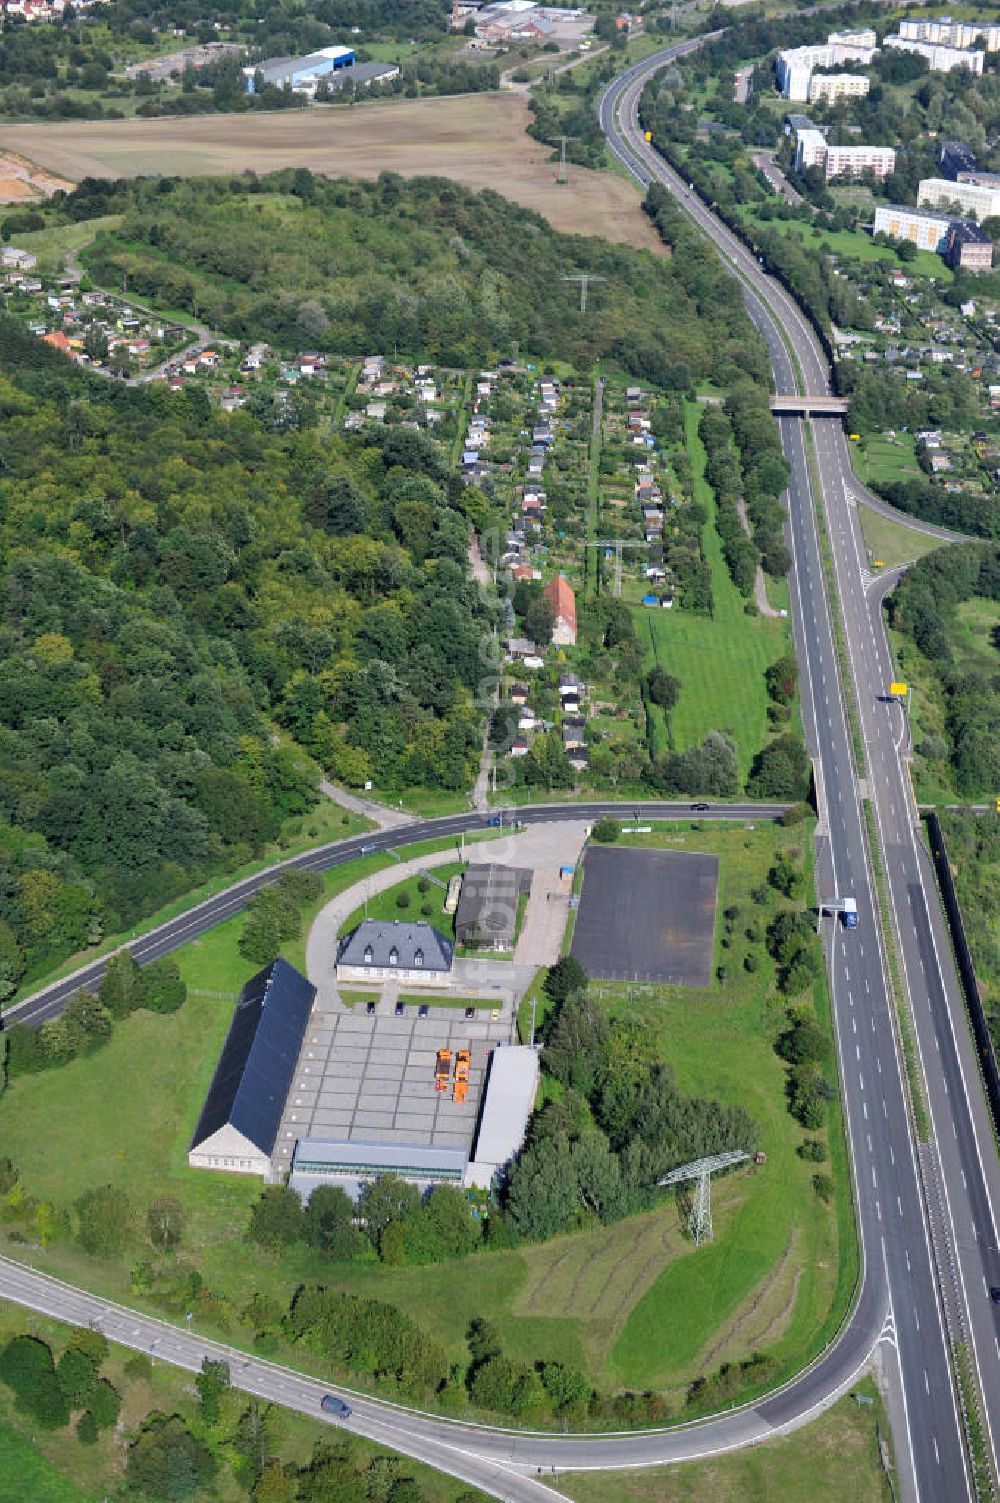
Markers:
point(478, 140)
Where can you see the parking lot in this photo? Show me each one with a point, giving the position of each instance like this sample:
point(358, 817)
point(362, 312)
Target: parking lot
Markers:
point(647, 915)
point(372, 1079)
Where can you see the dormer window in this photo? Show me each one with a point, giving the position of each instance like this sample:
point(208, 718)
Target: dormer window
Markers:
point(369, 954)
point(418, 957)
point(394, 956)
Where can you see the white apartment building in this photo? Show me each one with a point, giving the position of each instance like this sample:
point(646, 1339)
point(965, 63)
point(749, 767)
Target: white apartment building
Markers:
point(975, 200)
point(945, 32)
point(834, 86)
point(813, 150)
point(939, 59)
point(864, 37)
point(794, 67)
point(903, 222)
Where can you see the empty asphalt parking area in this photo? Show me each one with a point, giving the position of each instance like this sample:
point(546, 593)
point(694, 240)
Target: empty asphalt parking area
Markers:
point(647, 915)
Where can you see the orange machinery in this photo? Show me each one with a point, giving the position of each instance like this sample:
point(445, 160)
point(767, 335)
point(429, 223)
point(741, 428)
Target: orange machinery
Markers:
point(442, 1069)
point(463, 1060)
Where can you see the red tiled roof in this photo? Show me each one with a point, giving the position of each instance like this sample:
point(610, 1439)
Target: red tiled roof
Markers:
point(562, 600)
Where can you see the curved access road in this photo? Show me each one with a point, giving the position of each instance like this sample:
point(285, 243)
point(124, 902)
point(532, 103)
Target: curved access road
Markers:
point(49, 1001)
point(926, 1200)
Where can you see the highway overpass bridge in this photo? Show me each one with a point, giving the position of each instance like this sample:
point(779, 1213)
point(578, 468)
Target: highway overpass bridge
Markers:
point(788, 405)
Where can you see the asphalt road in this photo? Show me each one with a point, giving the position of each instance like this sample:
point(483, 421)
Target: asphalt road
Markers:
point(50, 1000)
point(897, 1301)
point(955, 1187)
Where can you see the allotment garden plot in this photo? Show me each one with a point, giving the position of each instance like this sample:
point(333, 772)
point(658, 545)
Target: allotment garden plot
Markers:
point(647, 915)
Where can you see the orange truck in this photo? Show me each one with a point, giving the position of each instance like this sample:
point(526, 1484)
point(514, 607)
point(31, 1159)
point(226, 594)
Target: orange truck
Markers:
point(463, 1060)
point(442, 1069)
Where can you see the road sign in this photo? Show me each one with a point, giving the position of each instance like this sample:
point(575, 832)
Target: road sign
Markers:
point(900, 690)
point(649, 135)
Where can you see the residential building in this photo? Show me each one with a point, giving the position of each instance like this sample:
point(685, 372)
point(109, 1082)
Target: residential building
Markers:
point(956, 158)
point(939, 59)
point(18, 260)
point(973, 201)
point(969, 247)
point(813, 150)
point(926, 230)
point(794, 67)
point(563, 602)
point(834, 86)
point(300, 73)
point(380, 951)
point(239, 1121)
point(946, 32)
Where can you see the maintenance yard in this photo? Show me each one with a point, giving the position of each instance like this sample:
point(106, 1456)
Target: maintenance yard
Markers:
point(371, 1079)
point(647, 915)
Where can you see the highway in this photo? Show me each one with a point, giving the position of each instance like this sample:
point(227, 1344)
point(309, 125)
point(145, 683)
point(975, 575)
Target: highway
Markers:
point(944, 1192)
point(951, 1190)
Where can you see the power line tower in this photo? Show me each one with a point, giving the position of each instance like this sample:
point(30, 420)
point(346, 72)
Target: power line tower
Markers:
point(561, 177)
point(618, 544)
point(701, 1170)
point(584, 278)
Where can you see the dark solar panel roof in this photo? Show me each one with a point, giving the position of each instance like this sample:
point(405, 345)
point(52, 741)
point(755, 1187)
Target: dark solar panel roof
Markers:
point(258, 1059)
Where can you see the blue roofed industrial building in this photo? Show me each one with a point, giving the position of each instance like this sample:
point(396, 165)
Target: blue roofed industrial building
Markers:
point(301, 73)
point(242, 1112)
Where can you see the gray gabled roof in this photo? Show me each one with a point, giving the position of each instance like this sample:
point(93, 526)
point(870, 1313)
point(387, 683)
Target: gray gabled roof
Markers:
point(374, 941)
point(259, 1056)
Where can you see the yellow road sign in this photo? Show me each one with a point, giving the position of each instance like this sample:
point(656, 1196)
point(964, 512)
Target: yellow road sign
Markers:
point(899, 689)
point(649, 135)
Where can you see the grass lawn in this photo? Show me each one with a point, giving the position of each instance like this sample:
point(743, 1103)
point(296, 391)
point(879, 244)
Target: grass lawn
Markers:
point(25, 1474)
point(881, 458)
point(834, 1458)
point(386, 906)
point(891, 541)
point(51, 246)
point(720, 659)
point(632, 1304)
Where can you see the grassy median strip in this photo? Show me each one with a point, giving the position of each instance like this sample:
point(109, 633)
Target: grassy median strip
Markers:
point(982, 1476)
point(839, 640)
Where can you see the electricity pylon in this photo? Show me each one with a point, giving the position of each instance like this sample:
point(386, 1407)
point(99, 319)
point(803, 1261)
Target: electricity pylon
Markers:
point(700, 1220)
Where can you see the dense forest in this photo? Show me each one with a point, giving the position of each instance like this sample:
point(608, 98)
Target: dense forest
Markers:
point(178, 585)
point(924, 608)
point(174, 582)
point(425, 267)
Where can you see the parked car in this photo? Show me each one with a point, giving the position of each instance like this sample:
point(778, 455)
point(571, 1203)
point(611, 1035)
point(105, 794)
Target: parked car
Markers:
point(330, 1404)
point(470, 1012)
point(370, 1009)
point(400, 1009)
point(424, 1010)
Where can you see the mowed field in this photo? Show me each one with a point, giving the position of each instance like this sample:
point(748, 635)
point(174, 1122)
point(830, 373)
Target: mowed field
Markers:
point(479, 140)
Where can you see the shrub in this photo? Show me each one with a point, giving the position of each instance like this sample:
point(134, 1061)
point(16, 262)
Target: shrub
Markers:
point(606, 831)
point(824, 1187)
point(813, 1150)
point(403, 899)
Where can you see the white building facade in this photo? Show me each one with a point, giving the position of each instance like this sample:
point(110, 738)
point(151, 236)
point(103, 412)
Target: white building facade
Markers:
point(943, 31)
point(940, 59)
point(813, 150)
point(974, 200)
point(928, 231)
point(834, 86)
point(795, 66)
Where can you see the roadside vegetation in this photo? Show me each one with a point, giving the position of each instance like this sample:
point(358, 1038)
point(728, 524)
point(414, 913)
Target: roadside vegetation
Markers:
point(83, 1419)
point(974, 854)
point(945, 615)
point(558, 1308)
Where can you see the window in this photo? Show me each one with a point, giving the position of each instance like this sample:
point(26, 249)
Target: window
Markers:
point(418, 957)
point(369, 954)
point(394, 956)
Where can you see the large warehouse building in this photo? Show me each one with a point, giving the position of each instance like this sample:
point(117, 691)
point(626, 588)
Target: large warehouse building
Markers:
point(302, 73)
point(239, 1122)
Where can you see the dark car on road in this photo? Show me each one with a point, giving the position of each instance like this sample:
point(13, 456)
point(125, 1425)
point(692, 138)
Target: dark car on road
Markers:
point(330, 1404)
point(995, 1294)
point(701, 808)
